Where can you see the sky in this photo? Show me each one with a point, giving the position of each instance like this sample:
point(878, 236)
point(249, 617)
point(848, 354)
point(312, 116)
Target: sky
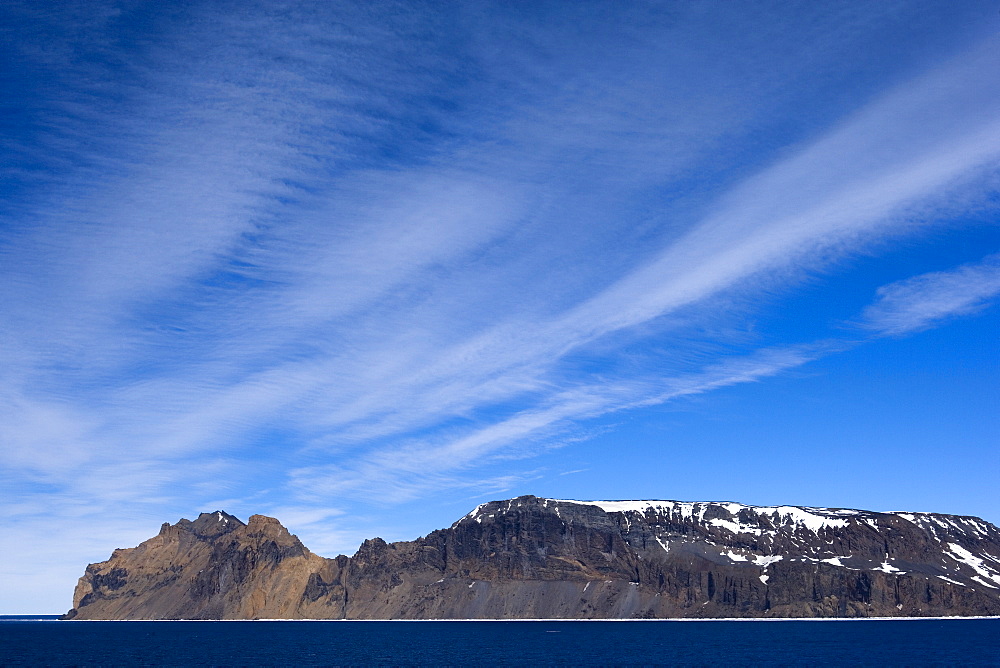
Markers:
point(363, 266)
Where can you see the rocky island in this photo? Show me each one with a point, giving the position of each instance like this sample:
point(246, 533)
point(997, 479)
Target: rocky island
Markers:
point(531, 557)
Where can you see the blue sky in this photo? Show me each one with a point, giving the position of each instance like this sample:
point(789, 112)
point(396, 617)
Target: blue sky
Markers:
point(363, 266)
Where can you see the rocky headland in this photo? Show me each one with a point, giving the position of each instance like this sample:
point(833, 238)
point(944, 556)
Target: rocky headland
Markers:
point(531, 558)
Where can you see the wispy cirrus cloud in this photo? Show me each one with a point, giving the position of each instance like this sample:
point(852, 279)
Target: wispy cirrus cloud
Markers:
point(926, 300)
point(798, 213)
point(401, 472)
point(379, 324)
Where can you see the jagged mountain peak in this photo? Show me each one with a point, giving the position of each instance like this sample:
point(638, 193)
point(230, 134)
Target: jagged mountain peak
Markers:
point(211, 524)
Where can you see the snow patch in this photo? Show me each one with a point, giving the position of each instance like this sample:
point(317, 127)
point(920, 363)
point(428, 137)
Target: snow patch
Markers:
point(734, 527)
point(734, 557)
point(475, 514)
point(627, 506)
point(961, 554)
point(886, 567)
point(761, 560)
point(812, 519)
point(764, 578)
point(981, 581)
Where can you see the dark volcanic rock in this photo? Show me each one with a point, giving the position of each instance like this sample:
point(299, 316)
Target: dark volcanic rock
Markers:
point(541, 558)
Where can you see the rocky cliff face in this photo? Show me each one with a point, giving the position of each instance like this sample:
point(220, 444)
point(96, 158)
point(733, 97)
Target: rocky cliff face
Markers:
point(543, 558)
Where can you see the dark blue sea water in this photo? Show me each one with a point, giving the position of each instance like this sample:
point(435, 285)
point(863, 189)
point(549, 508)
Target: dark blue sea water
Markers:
point(946, 642)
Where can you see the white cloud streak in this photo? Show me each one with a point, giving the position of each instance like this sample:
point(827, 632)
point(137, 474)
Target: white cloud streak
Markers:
point(396, 474)
point(403, 364)
point(923, 301)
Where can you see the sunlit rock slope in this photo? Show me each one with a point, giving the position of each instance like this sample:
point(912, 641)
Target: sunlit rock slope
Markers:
point(531, 557)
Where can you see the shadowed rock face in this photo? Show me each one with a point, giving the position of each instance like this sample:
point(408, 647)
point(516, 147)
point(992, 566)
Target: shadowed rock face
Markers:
point(541, 558)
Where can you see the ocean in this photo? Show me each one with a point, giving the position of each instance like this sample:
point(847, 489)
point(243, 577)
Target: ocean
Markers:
point(41, 641)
